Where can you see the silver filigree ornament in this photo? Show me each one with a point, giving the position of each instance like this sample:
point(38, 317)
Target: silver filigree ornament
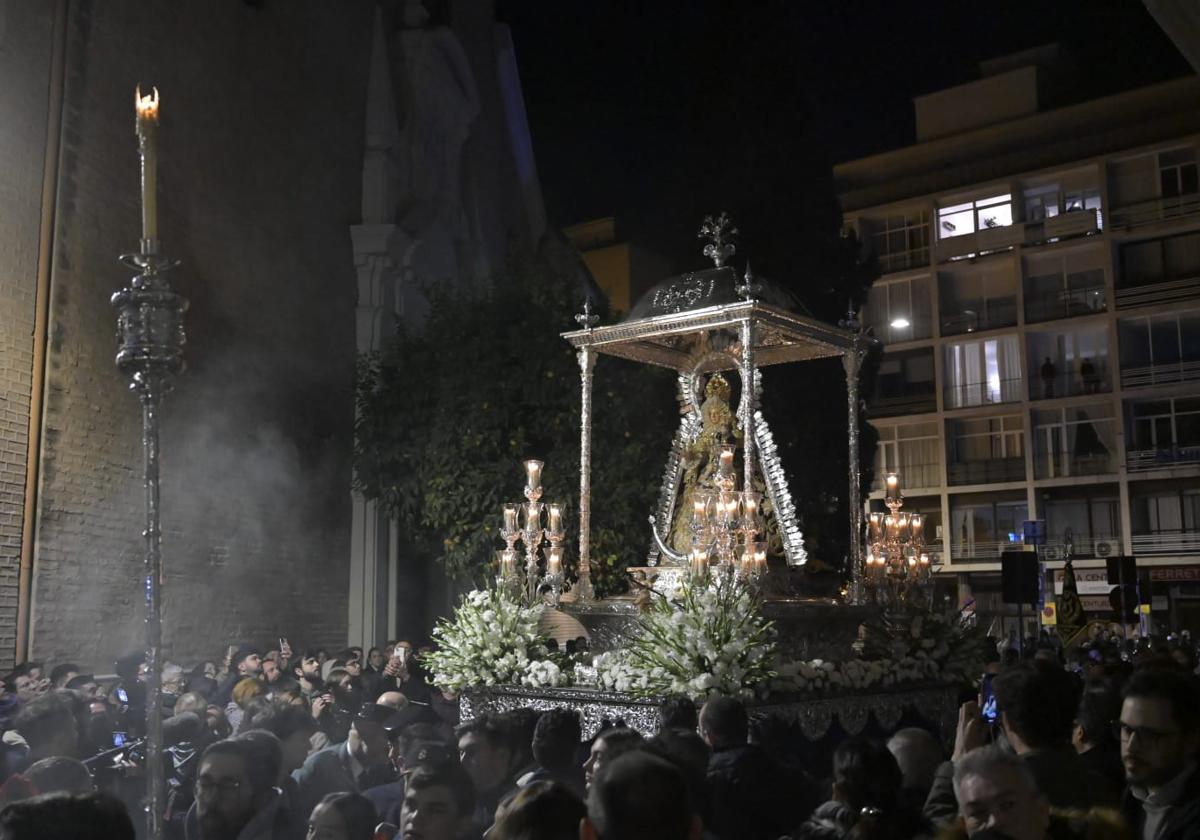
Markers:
point(719, 232)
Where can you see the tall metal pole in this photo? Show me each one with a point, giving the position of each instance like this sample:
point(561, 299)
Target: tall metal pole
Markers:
point(587, 366)
point(746, 409)
point(852, 362)
point(150, 352)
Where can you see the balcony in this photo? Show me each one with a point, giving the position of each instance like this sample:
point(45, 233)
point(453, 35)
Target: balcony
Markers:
point(1074, 223)
point(1156, 210)
point(1059, 547)
point(980, 550)
point(1066, 466)
point(1152, 294)
point(904, 260)
point(900, 404)
point(990, 315)
point(1148, 376)
point(989, 471)
point(983, 393)
point(1165, 543)
point(983, 241)
point(1071, 384)
point(1065, 303)
point(1145, 460)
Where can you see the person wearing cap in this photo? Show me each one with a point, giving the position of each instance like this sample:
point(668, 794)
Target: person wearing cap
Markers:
point(413, 740)
point(358, 763)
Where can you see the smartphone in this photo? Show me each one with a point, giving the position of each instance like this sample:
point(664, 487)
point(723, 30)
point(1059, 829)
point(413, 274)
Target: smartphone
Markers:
point(119, 739)
point(123, 696)
point(282, 642)
point(987, 699)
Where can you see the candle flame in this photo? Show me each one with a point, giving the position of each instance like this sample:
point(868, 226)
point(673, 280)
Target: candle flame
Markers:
point(146, 106)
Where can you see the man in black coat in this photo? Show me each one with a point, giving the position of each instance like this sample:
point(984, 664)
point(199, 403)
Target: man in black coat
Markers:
point(746, 788)
point(1160, 735)
point(356, 764)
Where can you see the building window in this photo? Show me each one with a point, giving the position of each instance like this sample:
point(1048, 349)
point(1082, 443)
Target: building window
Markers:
point(961, 219)
point(898, 310)
point(1066, 364)
point(982, 372)
point(1177, 173)
point(1064, 287)
point(913, 450)
point(1163, 433)
point(980, 529)
point(1041, 203)
point(977, 300)
point(1160, 349)
point(986, 450)
point(901, 241)
point(1081, 440)
point(1156, 260)
point(905, 384)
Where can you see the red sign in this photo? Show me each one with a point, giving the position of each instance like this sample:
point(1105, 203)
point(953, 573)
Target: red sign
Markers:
point(1177, 574)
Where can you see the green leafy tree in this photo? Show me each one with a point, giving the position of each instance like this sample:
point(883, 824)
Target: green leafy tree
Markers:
point(447, 414)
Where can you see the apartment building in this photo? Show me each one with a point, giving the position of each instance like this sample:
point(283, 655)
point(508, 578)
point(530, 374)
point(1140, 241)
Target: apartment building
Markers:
point(1039, 308)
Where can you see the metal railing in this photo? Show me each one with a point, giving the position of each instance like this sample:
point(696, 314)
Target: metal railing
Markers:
point(1156, 210)
point(1065, 303)
point(1151, 294)
point(983, 393)
point(902, 404)
point(1168, 374)
point(912, 476)
point(979, 550)
point(1070, 384)
point(1065, 466)
point(1058, 547)
point(990, 471)
point(1166, 542)
point(904, 260)
point(1143, 460)
point(999, 313)
point(1071, 223)
point(981, 241)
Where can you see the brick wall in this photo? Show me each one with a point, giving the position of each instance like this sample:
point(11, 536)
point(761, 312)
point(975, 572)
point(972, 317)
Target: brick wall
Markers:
point(25, 36)
point(260, 179)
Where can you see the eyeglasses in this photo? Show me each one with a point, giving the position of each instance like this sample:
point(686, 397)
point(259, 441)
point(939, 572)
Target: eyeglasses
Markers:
point(225, 787)
point(1145, 735)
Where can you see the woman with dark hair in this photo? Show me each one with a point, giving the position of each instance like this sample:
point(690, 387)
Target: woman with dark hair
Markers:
point(342, 816)
point(866, 798)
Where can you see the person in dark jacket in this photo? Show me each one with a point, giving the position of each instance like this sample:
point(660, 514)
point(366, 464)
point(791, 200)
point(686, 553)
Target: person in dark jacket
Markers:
point(1094, 738)
point(746, 793)
point(1160, 735)
point(358, 763)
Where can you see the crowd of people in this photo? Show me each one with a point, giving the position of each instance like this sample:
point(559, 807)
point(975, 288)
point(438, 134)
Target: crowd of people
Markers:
point(358, 746)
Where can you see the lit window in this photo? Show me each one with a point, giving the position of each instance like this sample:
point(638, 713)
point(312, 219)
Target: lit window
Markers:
point(960, 219)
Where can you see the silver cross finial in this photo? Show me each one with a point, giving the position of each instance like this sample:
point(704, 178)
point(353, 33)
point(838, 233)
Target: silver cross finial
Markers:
point(718, 232)
point(749, 287)
point(587, 320)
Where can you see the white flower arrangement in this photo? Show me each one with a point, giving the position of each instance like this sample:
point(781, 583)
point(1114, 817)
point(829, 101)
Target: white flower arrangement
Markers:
point(715, 641)
point(491, 640)
point(544, 673)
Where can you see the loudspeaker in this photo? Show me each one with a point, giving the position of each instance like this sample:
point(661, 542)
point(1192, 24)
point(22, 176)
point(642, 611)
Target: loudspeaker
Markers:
point(1019, 577)
point(1116, 567)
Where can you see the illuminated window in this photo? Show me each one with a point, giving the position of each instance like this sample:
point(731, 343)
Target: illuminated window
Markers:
point(960, 219)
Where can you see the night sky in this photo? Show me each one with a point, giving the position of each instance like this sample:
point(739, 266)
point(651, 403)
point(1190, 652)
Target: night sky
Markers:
point(658, 112)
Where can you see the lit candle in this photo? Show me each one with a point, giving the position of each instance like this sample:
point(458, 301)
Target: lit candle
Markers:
point(760, 557)
point(555, 525)
point(893, 485)
point(533, 516)
point(147, 133)
point(725, 457)
point(750, 501)
point(924, 559)
point(554, 560)
point(699, 560)
point(889, 526)
point(917, 523)
point(747, 560)
point(901, 526)
point(511, 511)
point(533, 474)
point(508, 563)
point(699, 508)
point(876, 524)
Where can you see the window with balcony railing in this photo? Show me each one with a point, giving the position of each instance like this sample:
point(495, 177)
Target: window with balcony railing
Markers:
point(1154, 187)
point(905, 384)
point(1057, 292)
point(982, 372)
point(981, 528)
point(1080, 440)
point(1166, 520)
point(1163, 434)
point(1160, 349)
point(899, 310)
point(1076, 521)
point(971, 216)
point(1068, 363)
point(985, 450)
point(972, 301)
point(900, 241)
point(913, 450)
point(1157, 271)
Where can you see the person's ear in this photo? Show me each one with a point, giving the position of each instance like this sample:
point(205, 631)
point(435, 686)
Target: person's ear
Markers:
point(587, 831)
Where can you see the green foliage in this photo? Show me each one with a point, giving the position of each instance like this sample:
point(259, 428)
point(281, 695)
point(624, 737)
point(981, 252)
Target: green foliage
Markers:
point(446, 415)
